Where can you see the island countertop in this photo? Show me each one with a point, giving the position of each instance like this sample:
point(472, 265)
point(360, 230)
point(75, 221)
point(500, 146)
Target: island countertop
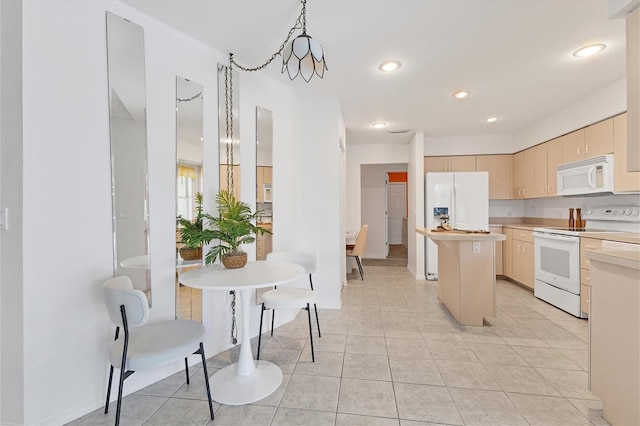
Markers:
point(460, 235)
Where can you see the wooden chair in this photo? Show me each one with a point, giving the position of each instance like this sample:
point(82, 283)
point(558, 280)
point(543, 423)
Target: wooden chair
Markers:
point(357, 250)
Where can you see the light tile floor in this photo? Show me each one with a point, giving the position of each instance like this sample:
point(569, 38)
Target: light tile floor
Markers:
point(394, 356)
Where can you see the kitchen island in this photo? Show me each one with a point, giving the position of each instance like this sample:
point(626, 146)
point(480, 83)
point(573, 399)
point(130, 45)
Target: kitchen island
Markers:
point(614, 330)
point(466, 273)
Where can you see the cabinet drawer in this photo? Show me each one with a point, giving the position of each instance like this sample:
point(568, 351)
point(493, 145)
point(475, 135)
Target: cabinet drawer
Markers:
point(522, 235)
point(588, 244)
point(585, 278)
point(584, 298)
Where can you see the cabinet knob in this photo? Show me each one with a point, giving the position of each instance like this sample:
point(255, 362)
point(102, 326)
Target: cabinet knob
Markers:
point(544, 188)
point(586, 149)
point(549, 189)
point(579, 150)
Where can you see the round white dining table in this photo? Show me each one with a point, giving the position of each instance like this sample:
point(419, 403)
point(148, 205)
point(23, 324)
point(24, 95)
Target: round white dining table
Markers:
point(247, 380)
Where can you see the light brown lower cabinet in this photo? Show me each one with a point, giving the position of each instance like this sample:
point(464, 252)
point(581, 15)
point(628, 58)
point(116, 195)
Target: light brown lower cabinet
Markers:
point(507, 254)
point(521, 264)
point(499, 250)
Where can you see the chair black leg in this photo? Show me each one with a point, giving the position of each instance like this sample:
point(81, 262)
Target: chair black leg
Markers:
point(260, 331)
point(106, 404)
point(317, 321)
point(273, 318)
point(186, 369)
point(206, 377)
point(360, 268)
point(315, 307)
point(313, 357)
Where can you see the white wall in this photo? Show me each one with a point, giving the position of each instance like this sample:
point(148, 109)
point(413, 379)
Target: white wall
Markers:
point(468, 145)
point(373, 206)
point(416, 200)
point(599, 105)
point(314, 184)
point(357, 155)
point(11, 246)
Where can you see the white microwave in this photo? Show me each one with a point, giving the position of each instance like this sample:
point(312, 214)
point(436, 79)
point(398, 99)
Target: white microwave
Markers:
point(585, 177)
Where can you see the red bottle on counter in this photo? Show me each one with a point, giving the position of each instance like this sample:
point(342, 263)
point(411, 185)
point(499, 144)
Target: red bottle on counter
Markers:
point(571, 222)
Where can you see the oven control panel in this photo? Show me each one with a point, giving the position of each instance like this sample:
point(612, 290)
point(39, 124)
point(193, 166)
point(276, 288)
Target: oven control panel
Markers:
point(619, 213)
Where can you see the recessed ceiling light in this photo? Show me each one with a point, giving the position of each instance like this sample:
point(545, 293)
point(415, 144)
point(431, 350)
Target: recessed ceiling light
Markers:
point(592, 49)
point(461, 94)
point(389, 66)
point(492, 119)
point(379, 125)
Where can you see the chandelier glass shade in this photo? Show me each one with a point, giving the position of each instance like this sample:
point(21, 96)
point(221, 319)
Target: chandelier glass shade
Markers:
point(303, 56)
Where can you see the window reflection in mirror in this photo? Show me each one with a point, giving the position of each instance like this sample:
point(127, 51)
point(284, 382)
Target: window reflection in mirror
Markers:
point(229, 147)
point(128, 141)
point(264, 179)
point(189, 113)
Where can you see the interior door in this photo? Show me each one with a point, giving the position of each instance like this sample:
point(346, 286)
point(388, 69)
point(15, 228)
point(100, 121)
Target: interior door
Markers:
point(396, 207)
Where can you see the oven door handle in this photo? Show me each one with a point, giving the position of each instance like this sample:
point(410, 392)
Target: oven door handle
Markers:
point(557, 237)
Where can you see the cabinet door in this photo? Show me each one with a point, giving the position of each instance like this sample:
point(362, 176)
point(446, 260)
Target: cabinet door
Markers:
point(518, 174)
point(554, 159)
point(500, 169)
point(540, 171)
point(573, 146)
point(498, 250)
point(259, 184)
point(623, 180)
point(528, 264)
point(436, 164)
point(507, 258)
point(598, 139)
point(529, 173)
point(517, 266)
point(268, 175)
point(462, 163)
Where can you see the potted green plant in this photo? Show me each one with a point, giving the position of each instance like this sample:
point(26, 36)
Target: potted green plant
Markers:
point(232, 227)
point(191, 233)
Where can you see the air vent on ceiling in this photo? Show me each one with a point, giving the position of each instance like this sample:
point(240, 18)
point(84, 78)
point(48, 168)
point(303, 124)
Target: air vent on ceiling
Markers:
point(397, 131)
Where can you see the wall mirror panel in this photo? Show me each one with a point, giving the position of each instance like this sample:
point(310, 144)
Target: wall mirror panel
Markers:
point(189, 125)
point(128, 137)
point(229, 136)
point(264, 179)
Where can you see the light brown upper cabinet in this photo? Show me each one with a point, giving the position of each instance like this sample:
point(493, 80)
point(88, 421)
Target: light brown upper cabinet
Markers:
point(540, 171)
point(598, 139)
point(592, 141)
point(622, 179)
point(554, 159)
point(500, 168)
point(529, 173)
point(518, 175)
point(573, 146)
point(456, 163)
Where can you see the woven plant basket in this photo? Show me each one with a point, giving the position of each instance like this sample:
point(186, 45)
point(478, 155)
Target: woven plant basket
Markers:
point(191, 253)
point(234, 261)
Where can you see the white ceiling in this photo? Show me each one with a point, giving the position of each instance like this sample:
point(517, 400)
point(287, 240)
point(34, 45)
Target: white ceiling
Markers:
point(515, 56)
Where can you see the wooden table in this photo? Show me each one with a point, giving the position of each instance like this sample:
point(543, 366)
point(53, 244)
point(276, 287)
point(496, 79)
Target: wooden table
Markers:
point(247, 380)
point(466, 273)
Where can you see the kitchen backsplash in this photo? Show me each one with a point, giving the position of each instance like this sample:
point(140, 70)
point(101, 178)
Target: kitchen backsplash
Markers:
point(556, 207)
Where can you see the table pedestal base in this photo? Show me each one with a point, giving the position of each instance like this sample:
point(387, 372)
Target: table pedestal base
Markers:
point(230, 389)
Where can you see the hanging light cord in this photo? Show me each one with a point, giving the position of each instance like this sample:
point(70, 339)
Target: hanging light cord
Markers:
point(301, 23)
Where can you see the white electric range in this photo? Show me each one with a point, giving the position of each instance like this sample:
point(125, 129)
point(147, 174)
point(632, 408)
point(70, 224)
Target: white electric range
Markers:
point(557, 254)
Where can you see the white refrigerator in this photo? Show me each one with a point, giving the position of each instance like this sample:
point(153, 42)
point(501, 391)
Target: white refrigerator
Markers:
point(464, 198)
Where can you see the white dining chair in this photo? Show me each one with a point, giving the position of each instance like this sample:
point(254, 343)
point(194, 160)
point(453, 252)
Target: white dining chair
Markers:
point(147, 346)
point(292, 298)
